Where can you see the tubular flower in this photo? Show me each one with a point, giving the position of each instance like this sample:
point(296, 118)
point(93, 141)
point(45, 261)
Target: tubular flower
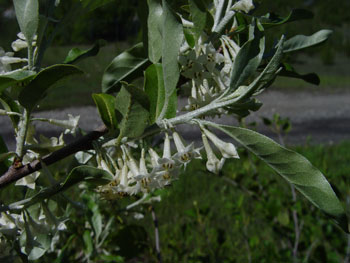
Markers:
point(21, 42)
point(228, 150)
point(6, 59)
point(185, 153)
point(243, 5)
point(167, 164)
point(148, 182)
point(70, 125)
point(213, 164)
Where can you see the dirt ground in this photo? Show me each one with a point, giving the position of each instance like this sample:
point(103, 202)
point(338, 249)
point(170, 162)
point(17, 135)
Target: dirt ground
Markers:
point(316, 117)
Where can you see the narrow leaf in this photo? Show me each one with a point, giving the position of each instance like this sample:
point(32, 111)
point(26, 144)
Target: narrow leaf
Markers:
point(106, 107)
point(133, 105)
point(27, 13)
point(36, 89)
point(154, 87)
point(89, 244)
point(289, 71)
point(75, 55)
point(199, 16)
point(172, 40)
point(293, 167)
point(265, 78)
point(248, 59)
point(10, 105)
point(125, 67)
point(300, 41)
point(154, 23)
point(271, 19)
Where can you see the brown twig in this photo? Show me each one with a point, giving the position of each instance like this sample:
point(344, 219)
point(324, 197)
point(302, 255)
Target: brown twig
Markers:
point(82, 144)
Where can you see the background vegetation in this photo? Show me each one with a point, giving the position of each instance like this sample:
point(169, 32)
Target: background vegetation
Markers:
point(242, 215)
point(117, 23)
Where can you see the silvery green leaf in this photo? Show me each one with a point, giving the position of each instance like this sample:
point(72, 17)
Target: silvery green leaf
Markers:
point(106, 107)
point(154, 23)
point(27, 13)
point(171, 43)
point(293, 167)
point(154, 87)
point(300, 41)
point(133, 104)
point(248, 58)
point(199, 17)
point(265, 77)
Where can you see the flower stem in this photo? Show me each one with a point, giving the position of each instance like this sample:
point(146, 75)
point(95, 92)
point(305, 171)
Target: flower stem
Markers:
point(30, 56)
point(22, 133)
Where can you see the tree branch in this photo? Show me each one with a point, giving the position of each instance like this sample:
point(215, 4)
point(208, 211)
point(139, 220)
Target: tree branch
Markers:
point(82, 144)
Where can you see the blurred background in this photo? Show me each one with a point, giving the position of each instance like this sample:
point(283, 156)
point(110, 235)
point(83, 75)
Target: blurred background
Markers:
point(247, 213)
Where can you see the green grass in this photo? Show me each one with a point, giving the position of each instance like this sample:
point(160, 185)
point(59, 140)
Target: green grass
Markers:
point(246, 212)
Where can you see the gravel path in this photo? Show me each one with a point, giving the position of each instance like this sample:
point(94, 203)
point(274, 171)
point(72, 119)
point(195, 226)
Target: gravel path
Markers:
point(316, 117)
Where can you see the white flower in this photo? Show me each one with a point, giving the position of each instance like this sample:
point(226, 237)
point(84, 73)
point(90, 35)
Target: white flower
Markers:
point(228, 150)
point(8, 224)
point(184, 153)
point(166, 163)
point(148, 180)
point(29, 180)
point(243, 5)
point(138, 216)
point(213, 57)
point(213, 164)
point(70, 125)
point(21, 42)
point(6, 59)
point(102, 164)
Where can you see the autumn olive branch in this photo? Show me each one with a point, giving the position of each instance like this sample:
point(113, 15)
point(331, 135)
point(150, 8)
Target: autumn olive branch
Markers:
point(82, 144)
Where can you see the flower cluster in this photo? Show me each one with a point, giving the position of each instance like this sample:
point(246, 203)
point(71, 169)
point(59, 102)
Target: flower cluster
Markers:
point(151, 171)
point(7, 58)
point(208, 71)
